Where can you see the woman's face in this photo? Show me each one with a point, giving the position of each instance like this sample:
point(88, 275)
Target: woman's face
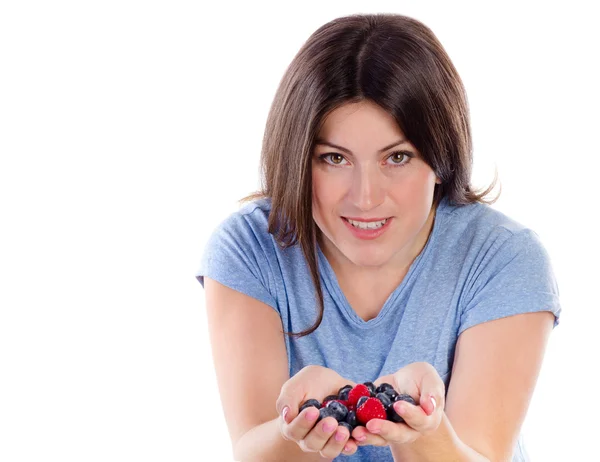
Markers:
point(363, 169)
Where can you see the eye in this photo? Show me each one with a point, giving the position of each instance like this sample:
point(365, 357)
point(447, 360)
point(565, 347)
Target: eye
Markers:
point(334, 158)
point(398, 158)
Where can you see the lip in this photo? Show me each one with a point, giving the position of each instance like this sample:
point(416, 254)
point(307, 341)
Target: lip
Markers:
point(367, 234)
point(366, 220)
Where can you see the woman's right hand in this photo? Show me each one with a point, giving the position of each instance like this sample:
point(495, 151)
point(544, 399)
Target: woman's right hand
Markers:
point(326, 437)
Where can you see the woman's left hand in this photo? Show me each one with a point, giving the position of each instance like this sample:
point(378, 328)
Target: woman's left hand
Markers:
point(422, 382)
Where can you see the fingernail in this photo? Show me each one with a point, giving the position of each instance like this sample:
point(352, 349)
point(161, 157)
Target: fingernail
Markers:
point(433, 402)
point(284, 414)
point(400, 409)
point(339, 436)
point(347, 448)
point(361, 438)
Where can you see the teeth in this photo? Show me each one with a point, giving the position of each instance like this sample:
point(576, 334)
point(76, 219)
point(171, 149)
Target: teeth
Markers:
point(371, 225)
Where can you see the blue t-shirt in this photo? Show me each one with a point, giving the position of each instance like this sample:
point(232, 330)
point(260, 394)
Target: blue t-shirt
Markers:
point(477, 265)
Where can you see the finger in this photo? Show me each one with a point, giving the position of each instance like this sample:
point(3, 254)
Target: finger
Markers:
point(298, 428)
point(364, 437)
point(289, 397)
point(336, 443)
point(433, 391)
point(392, 432)
point(416, 418)
point(316, 439)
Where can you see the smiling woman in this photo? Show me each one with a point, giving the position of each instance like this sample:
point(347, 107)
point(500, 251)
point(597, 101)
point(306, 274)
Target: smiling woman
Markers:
point(368, 257)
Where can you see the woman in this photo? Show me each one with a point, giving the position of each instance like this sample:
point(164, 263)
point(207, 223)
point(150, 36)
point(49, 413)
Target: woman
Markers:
point(367, 256)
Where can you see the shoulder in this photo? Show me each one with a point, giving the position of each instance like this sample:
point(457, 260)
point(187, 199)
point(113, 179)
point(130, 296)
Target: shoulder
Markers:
point(251, 216)
point(480, 226)
point(246, 228)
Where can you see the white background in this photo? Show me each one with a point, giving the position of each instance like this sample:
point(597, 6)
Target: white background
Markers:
point(128, 131)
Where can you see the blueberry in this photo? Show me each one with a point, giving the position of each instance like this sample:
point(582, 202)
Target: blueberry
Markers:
point(361, 400)
point(385, 399)
point(348, 426)
point(393, 415)
point(339, 410)
point(330, 398)
point(405, 397)
point(384, 386)
point(391, 393)
point(325, 412)
point(343, 392)
point(371, 387)
point(351, 419)
point(391, 412)
point(309, 403)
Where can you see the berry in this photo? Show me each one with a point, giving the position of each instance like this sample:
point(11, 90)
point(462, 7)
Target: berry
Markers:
point(346, 425)
point(405, 397)
point(384, 386)
point(391, 412)
point(309, 403)
point(339, 411)
point(329, 398)
point(391, 393)
point(351, 419)
point(325, 412)
point(371, 387)
point(385, 399)
point(341, 401)
point(393, 415)
point(356, 392)
point(343, 392)
point(361, 401)
point(370, 409)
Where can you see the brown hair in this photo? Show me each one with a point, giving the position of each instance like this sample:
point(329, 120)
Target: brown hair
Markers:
point(392, 60)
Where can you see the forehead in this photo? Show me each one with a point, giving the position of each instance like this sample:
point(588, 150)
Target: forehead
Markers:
point(355, 121)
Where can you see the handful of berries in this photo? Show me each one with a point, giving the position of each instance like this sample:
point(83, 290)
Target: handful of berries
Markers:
point(354, 406)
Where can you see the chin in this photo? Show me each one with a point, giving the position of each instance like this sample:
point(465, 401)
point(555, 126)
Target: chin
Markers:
point(367, 258)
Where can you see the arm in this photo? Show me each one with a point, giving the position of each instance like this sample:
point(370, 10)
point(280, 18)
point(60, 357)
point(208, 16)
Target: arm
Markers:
point(495, 369)
point(251, 367)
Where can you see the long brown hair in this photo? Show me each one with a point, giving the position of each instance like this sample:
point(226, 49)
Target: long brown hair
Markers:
point(394, 61)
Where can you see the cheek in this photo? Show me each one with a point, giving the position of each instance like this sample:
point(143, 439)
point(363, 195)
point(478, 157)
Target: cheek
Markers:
point(327, 189)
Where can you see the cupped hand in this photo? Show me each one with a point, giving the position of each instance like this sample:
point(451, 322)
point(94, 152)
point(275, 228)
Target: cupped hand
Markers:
point(326, 437)
point(422, 382)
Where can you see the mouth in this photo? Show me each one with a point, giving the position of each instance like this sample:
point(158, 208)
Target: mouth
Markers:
point(367, 225)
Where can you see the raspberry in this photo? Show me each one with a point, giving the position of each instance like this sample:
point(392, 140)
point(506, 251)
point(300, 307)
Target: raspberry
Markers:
point(358, 391)
point(371, 387)
point(370, 409)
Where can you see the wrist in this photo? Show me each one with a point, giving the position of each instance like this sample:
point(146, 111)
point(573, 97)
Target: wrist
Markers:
point(441, 445)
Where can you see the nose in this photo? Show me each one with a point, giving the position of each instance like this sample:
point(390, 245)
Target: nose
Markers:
point(368, 188)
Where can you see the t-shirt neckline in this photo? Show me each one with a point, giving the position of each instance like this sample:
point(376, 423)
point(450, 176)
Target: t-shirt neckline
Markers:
point(329, 278)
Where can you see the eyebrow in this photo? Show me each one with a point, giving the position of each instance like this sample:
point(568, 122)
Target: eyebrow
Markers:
point(347, 151)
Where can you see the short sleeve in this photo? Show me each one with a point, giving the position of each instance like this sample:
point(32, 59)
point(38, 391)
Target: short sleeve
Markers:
point(235, 257)
point(517, 278)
